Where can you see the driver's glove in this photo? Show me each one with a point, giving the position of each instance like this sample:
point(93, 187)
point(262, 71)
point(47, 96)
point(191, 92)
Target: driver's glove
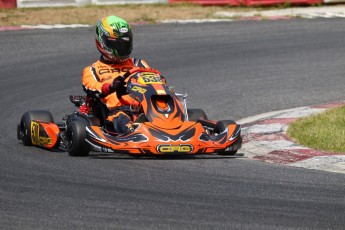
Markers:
point(118, 86)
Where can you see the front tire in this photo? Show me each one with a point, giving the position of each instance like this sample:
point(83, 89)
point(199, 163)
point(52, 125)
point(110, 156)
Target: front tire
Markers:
point(24, 128)
point(75, 138)
point(195, 114)
point(221, 126)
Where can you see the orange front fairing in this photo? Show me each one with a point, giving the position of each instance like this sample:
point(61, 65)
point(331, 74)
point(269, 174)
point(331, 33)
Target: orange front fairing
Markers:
point(160, 105)
point(44, 134)
point(147, 138)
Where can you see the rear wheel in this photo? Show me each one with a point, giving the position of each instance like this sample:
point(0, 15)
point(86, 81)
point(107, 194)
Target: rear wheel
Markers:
point(221, 126)
point(24, 128)
point(75, 138)
point(195, 114)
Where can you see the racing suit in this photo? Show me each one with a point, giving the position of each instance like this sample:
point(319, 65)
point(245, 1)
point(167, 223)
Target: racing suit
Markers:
point(104, 72)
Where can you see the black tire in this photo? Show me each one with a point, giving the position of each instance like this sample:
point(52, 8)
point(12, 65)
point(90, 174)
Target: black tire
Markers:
point(75, 136)
point(195, 114)
point(24, 128)
point(220, 127)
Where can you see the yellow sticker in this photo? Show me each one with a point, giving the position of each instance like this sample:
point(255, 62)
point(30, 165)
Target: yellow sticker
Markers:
point(36, 139)
point(35, 133)
point(150, 78)
point(139, 89)
point(174, 148)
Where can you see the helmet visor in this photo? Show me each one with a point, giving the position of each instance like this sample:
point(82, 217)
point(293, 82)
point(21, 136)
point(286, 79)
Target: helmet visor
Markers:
point(120, 46)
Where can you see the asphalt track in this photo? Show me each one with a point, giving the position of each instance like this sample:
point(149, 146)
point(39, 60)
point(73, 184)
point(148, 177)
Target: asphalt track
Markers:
point(233, 69)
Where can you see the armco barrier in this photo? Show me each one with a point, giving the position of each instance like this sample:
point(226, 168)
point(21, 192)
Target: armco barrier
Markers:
point(275, 2)
point(8, 3)
point(45, 3)
point(334, 1)
point(111, 2)
point(248, 2)
point(59, 3)
point(204, 2)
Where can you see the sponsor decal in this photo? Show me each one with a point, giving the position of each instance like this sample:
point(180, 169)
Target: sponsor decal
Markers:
point(150, 78)
point(36, 139)
point(123, 30)
point(113, 70)
point(139, 89)
point(183, 148)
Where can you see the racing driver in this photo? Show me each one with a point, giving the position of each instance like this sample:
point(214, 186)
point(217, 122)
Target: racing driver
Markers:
point(114, 40)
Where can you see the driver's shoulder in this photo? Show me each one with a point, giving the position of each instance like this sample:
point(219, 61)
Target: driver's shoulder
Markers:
point(140, 63)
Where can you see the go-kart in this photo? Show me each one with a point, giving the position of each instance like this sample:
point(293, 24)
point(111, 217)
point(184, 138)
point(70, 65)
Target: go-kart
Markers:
point(162, 124)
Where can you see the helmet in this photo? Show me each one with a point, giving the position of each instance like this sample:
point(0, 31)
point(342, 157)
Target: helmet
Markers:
point(114, 38)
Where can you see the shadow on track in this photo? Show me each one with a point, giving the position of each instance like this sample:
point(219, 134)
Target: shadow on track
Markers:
point(125, 156)
point(117, 156)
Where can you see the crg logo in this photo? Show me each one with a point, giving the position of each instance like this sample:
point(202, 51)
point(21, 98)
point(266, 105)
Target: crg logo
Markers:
point(175, 148)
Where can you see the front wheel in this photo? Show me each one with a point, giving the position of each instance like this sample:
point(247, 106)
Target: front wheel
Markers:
point(220, 127)
point(75, 138)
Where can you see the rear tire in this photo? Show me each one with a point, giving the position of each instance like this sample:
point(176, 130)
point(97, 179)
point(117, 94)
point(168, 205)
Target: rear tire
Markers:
point(75, 138)
point(195, 114)
point(221, 126)
point(24, 128)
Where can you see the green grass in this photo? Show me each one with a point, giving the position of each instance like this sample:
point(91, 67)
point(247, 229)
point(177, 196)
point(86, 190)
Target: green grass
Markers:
point(324, 131)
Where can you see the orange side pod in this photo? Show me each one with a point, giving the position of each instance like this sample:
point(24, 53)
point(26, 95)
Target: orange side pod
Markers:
point(45, 134)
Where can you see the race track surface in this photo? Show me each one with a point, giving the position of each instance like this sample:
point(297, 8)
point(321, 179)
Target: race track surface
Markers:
point(233, 69)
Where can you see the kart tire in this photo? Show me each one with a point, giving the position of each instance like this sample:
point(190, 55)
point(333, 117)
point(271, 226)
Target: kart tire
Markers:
point(24, 128)
point(195, 114)
point(75, 136)
point(219, 128)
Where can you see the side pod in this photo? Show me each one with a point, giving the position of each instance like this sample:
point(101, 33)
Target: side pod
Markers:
point(37, 128)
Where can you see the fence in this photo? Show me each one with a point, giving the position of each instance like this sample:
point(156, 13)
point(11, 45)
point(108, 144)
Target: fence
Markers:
point(57, 3)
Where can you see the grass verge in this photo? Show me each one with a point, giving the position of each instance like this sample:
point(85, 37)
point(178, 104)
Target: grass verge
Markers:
point(149, 13)
point(324, 131)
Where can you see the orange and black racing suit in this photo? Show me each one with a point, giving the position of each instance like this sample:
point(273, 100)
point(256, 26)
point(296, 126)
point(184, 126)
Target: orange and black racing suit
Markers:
point(104, 72)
